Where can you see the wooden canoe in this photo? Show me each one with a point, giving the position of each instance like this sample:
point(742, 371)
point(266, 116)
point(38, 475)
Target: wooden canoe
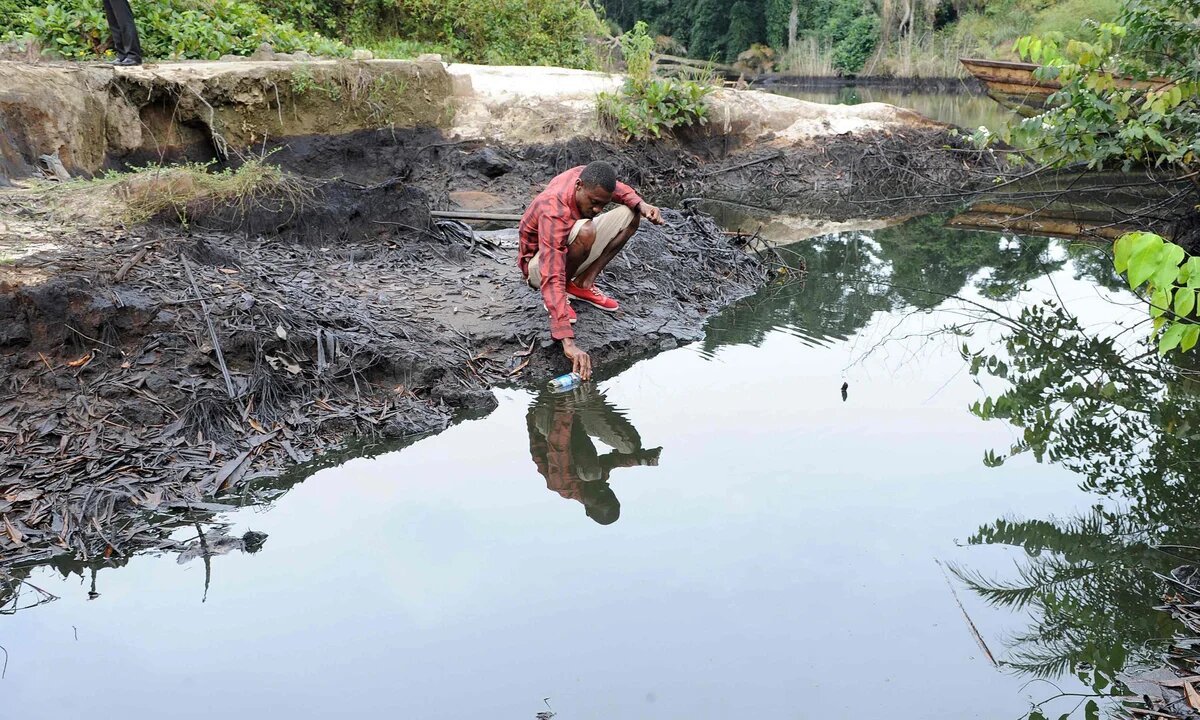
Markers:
point(1013, 85)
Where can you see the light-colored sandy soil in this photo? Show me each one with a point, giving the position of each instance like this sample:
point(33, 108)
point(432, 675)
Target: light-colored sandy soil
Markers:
point(540, 104)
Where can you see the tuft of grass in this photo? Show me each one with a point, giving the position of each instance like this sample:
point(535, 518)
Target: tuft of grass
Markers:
point(811, 56)
point(180, 190)
point(1065, 17)
point(402, 49)
point(992, 31)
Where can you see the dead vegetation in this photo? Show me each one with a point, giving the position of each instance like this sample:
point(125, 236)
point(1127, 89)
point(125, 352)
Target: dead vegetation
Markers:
point(177, 368)
point(1173, 693)
point(260, 320)
point(187, 191)
point(173, 192)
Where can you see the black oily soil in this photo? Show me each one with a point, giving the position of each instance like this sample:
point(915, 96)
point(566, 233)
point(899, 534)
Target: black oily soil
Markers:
point(350, 314)
point(383, 336)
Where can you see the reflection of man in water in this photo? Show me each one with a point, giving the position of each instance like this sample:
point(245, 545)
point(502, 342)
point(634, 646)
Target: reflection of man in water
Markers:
point(561, 428)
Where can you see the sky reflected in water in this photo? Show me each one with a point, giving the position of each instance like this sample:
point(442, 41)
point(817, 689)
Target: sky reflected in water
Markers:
point(713, 533)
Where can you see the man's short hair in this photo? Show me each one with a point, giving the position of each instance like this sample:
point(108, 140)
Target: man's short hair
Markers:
point(599, 174)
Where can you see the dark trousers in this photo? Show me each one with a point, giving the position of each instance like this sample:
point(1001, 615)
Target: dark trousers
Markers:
point(124, 31)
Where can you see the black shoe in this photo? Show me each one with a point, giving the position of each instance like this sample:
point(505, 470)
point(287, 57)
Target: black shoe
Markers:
point(127, 61)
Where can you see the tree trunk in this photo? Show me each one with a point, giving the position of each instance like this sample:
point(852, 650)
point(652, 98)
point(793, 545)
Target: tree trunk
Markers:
point(793, 24)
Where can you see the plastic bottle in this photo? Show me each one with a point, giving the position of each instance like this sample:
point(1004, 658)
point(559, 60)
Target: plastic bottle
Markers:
point(565, 382)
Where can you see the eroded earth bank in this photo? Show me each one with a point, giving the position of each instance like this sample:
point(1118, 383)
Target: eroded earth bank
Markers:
point(162, 364)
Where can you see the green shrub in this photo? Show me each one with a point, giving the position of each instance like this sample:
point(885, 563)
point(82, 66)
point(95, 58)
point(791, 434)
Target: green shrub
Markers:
point(321, 16)
point(10, 10)
point(650, 109)
point(853, 50)
point(517, 32)
point(508, 32)
point(77, 29)
point(842, 15)
point(648, 106)
point(402, 49)
point(638, 48)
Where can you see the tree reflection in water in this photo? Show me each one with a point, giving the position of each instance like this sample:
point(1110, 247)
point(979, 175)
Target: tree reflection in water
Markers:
point(1127, 423)
point(913, 266)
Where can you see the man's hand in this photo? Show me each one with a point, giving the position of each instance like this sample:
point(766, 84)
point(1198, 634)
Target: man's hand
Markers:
point(651, 213)
point(581, 362)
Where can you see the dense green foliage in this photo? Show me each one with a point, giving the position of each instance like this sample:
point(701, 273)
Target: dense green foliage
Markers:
point(648, 106)
point(715, 29)
point(1099, 119)
point(903, 37)
point(77, 29)
point(1130, 97)
point(511, 32)
point(521, 32)
point(853, 50)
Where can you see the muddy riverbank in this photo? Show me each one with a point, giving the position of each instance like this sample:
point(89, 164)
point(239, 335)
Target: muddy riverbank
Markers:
point(119, 399)
point(157, 367)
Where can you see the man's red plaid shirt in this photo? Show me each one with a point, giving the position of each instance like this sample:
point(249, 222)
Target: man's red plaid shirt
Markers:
point(545, 228)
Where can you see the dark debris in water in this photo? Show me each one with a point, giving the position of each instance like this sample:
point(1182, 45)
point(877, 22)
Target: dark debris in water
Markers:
point(1173, 692)
point(116, 421)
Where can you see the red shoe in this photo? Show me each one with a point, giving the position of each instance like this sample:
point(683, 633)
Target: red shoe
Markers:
point(592, 296)
point(570, 312)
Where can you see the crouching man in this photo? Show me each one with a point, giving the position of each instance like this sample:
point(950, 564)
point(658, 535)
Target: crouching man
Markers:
point(567, 239)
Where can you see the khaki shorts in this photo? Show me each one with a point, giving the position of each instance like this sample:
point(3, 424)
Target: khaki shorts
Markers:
point(608, 226)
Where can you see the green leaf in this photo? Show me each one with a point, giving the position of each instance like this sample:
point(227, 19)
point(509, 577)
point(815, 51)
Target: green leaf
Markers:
point(1168, 265)
point(1122, 249)
point(1192, 268)
point(1171, 338)
point(1142, 268)
point(1185, 301)
point(1142, 242)
point(1160, 301)
point(1144, 258)
point(1023, 46)
point(1190, 336)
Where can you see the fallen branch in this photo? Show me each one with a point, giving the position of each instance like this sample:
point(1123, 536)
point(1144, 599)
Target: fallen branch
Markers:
point(212, 331)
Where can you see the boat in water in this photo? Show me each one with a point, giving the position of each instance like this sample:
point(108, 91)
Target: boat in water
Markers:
point(1014, 85)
